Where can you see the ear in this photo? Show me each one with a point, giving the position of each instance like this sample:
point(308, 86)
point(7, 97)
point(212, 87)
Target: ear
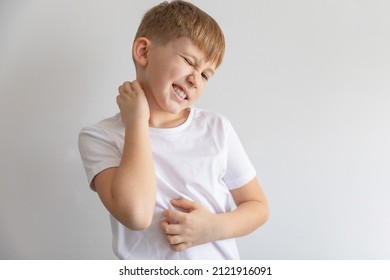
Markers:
point(141, 47)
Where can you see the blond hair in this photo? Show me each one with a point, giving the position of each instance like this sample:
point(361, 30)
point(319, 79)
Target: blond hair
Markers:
point(172, 20)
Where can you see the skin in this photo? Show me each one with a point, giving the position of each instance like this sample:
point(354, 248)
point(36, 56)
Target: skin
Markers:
point(151, 101)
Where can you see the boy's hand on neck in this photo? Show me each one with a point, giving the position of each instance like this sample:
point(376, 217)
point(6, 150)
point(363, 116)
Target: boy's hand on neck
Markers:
point(132, 103)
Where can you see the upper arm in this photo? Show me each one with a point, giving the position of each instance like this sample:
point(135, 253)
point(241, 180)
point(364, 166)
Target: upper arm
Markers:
point(251, 191)
point(102, 183)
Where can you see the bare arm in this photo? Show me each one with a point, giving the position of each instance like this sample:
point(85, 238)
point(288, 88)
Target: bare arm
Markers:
point(252, 212)
point(197, 225)
point(129, 191)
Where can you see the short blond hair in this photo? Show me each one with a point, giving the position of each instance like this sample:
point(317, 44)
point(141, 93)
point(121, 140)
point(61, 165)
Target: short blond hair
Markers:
point(172, 20)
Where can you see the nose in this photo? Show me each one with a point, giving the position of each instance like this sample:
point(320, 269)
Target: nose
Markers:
point(193, 80)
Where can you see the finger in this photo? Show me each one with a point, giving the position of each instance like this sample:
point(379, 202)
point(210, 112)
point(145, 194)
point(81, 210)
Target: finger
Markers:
point(174, 239)
point(166, 216)
point(175, 216)
point(185, 204)
point(179, 247)
point(172, 229)
point(128, 85)
point(120, 97)
point(125, 88)
point(136, 86)
point(164, 226)
point(122, 90)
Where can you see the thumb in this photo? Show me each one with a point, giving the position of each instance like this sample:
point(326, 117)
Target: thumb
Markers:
point(185, 204)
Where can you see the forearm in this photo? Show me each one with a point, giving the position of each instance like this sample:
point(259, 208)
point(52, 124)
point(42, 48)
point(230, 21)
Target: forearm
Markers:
point(129, 190)
point(196, 225)
point(246, 218)
point(134, 183)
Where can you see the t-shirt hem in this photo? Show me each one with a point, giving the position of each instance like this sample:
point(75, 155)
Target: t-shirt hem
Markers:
point(242, 180)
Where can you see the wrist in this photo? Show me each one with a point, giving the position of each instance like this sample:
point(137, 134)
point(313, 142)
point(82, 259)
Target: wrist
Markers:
point(217, 229)
point(136, 123)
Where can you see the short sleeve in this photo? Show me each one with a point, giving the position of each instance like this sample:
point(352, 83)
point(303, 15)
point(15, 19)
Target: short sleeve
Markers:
point(98, 151)
point(239, 169)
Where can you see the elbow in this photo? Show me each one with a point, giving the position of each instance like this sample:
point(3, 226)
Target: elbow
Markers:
point(264, 213)
point(134, 214)
point(140, 225)
point(139, 219)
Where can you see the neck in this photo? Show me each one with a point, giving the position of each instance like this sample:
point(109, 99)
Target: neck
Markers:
point(158, 117)
point(167, 120)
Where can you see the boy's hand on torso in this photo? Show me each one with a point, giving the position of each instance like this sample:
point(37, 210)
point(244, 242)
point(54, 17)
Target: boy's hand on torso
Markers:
point(132, 103)
point(192, 226)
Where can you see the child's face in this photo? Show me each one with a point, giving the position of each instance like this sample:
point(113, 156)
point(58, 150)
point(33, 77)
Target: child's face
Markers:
point(175, 75)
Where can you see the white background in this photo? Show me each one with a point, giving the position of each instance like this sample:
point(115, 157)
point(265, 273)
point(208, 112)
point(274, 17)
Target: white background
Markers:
point(305, 83)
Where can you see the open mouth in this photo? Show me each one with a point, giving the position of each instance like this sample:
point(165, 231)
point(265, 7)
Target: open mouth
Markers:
point(178, 90)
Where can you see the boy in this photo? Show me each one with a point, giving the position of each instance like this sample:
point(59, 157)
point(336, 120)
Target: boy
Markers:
point(165, 170)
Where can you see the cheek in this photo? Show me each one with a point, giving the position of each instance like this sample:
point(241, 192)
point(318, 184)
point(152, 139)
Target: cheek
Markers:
point(154, 72)
point(162, 74)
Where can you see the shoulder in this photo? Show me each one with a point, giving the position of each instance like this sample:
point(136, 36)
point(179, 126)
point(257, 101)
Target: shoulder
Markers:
point(109, 127)
point(207, 117)
point(111, 124)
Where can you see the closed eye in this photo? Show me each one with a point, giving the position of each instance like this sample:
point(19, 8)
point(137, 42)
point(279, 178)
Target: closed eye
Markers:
point(189, 62)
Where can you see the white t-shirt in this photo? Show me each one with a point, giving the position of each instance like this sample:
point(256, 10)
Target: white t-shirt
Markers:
point(200, 160)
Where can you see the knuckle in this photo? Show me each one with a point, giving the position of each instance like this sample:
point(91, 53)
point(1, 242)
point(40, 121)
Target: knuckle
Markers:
point(187, 219)
point(187, 231)
point(128, 85)
point(172, 239)
point(177, 248)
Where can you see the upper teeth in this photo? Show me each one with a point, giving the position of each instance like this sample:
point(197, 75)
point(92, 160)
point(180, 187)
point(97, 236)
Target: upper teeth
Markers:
point(179, 92)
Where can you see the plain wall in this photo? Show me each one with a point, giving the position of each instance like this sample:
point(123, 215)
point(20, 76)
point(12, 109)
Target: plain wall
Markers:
point(305, 83)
